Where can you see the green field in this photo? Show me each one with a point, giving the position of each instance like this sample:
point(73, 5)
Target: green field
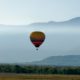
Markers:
point(38, 77)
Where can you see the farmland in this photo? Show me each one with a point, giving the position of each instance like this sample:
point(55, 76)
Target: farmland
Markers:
point(38, 77)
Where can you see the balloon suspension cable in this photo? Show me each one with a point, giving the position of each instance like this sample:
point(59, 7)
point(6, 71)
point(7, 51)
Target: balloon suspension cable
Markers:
point(37, 49)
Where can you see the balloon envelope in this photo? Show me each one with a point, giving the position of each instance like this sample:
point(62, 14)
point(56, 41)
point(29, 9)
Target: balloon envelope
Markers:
point(37, 38)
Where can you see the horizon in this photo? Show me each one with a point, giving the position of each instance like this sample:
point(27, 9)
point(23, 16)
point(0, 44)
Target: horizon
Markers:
point(41, 22)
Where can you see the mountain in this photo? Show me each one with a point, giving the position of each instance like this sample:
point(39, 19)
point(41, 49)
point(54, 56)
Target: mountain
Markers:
point(69, 60)
point(71, 22)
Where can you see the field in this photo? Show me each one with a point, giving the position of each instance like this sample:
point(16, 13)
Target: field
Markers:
point(38, 77)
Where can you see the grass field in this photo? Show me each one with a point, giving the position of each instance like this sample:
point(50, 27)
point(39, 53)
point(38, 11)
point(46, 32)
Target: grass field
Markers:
point(38, 77)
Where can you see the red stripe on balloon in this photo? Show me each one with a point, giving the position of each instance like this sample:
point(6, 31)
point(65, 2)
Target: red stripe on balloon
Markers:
point(36, 42)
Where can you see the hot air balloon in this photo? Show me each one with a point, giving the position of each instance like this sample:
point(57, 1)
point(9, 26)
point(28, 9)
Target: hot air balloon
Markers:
point(37, 38)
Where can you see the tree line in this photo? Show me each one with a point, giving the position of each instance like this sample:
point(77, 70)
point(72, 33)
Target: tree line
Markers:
point(38, 69)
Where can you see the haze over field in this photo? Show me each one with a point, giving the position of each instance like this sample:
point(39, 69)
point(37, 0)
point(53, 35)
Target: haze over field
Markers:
point(15, 45)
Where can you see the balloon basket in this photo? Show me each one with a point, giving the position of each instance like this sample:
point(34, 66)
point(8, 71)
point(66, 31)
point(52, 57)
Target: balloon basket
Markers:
point(37, 49)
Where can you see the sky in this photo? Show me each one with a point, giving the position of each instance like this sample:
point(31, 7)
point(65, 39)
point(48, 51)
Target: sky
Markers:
point(22, 12)
point(15, 44)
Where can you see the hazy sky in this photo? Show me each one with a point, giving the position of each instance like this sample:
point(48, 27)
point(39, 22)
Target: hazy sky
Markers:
point(18, 12)
point(15, 44)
